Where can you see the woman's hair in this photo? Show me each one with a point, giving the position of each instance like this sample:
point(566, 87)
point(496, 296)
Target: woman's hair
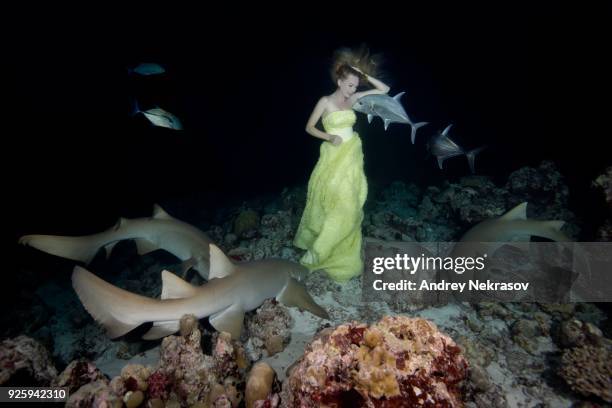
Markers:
point(344, 58)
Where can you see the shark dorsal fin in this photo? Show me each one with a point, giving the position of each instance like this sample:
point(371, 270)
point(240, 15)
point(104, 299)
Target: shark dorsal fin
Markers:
point(220, 265)
point(120, 223)
point(398, 96)
point(160, 214)
point(517, 213)
point(174, 287)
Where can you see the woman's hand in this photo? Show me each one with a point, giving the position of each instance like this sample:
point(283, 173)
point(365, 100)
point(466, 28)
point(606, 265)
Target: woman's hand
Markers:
point(357, 69)
point(335, 140)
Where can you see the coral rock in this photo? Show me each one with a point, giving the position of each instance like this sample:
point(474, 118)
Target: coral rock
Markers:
point(95, 394)
point(26, 354)
point(588, 370)
point(398, 361)
point(77, 374)
point(259, 383)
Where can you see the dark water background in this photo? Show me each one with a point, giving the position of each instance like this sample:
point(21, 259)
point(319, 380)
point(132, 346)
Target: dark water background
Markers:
point(515, 79)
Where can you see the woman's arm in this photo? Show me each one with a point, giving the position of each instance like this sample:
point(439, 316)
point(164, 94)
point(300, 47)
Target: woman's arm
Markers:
point(312, 122)
point(379, 87)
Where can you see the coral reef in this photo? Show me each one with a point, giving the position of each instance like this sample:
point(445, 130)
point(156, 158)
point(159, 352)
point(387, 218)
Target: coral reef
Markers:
point(588, 370)
point(94, 394)
point(185, 376)
point(259, 384)
point(274, 238)
point(440, 213)
point(604, 182)
point(269, 329)
point(196, 377)
point(77, 374)
point(246, 223)
point(398, 361)
point(24, 361)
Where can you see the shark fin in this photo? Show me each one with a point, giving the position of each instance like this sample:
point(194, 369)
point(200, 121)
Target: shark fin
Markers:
point(517, 213)
point(556, 225)
point(229, 320)
point(220, 265)
point(76, 248)
point(144, 246)
point(387, 121)
point(295, 294)
point(398, 96)
point(370, 117)
point(160, 214)
point(107, 304)
point(185, 266)
point(552, 230)
point(161, 329)
point(174, 287)
point(120, 223)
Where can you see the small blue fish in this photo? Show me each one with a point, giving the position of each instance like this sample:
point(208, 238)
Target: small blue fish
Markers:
point(147, 68)
point(389, 109)
point(443, 148)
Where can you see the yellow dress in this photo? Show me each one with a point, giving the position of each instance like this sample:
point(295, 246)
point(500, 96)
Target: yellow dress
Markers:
point(330, 229)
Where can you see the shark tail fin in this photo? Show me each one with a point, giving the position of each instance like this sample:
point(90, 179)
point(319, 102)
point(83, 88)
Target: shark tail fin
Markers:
point(414, 129)
point(471, 156)
point(107, 304)
point(295, 294)
point(75, 248)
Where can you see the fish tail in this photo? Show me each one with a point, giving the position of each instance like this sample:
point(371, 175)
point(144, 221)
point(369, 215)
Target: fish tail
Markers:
point(75, 248)
point(471, 156)
point(134, 108)
point(110, 306)
point(414, 129)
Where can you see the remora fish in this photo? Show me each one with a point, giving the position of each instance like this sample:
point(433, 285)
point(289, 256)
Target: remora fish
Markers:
point(389, 109)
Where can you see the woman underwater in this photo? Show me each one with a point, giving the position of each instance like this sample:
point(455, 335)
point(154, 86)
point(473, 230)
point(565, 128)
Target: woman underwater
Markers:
point(330, 228)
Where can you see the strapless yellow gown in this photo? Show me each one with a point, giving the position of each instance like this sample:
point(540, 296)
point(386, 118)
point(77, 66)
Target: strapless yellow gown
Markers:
point(330, 229)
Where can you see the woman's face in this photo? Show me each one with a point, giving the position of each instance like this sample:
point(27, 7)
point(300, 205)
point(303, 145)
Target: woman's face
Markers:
point(348, 85)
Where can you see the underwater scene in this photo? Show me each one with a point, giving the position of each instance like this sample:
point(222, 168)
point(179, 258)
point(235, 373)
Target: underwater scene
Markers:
point(336, 213)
